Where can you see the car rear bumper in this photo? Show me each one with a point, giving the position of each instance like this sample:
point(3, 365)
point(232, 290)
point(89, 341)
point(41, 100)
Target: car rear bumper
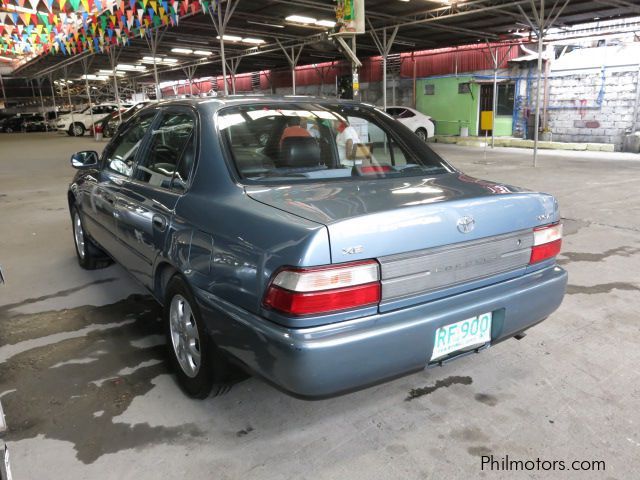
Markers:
point(330, 359)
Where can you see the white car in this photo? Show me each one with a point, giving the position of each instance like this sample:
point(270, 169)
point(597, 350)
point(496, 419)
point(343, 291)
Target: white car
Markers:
point(420, 123)
point(77, 123)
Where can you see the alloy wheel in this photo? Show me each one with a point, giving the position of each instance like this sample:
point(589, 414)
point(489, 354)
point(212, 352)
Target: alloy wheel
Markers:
point(78, 235)
point(185, 339)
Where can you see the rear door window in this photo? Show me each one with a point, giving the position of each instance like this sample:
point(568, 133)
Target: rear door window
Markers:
point(169, 155)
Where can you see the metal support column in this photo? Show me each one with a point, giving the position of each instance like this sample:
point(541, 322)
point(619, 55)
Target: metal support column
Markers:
point(220, 20)
point(292, 58)
point(33, 89)
point(494, 106)
point(113, 59)
point(69, 98)
point(233, 67)
point(85, 68)
point(190, 72)
point(536, 131)
point(540, 27)
point(355, 74)
point(350, 53)
point(384, 47)
point(53, 98)
point(153, 39)
point(44, 113)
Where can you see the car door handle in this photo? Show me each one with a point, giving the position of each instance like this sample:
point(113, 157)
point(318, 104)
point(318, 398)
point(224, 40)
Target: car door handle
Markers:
point(159, 222)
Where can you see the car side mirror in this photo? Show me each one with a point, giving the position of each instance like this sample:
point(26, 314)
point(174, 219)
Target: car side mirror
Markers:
point(86, 159)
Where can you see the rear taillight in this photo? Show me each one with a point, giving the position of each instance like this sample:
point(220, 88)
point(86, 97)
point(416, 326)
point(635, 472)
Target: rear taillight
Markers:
point(546, 242)
point(308, 291)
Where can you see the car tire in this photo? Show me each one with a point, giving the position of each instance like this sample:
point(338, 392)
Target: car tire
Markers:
point(90, 256)
point(8, 130)
point(200, 367)
point(422, 134)
point(77, 129)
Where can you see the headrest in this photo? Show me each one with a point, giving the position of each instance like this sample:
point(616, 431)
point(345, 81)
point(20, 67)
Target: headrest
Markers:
point(299, 152)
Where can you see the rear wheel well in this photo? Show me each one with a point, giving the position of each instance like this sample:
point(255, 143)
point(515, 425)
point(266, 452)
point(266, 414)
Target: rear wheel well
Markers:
point(164, 273)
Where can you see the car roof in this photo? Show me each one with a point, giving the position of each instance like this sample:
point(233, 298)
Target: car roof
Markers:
point(216, 103)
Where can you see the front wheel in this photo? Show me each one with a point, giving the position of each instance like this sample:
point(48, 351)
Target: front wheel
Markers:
point(422, 134)
point(90, 257)
point(77, 130)
point(198, 364)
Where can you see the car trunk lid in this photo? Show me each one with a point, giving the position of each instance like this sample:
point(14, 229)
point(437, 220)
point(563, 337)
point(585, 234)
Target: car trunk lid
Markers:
point(375, 218)
point(427, 233)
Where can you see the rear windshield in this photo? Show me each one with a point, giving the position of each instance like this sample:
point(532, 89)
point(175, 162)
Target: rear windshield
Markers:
point(309, 142)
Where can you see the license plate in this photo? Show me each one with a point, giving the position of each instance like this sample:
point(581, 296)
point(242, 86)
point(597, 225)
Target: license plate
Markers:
point(460, 335)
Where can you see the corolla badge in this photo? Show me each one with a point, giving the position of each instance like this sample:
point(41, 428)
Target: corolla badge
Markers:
point(466, 224)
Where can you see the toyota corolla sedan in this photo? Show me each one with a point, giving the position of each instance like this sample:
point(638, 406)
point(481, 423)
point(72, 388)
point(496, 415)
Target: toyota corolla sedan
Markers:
point(281, 238)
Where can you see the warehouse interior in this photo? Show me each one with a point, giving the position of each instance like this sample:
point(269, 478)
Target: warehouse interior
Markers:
point(543, 94)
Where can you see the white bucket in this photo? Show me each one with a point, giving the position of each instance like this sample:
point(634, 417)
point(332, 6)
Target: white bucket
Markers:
point(464, 131)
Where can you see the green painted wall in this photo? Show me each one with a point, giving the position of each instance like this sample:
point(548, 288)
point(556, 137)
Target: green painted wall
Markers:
point(451, 109)
point(504, 126)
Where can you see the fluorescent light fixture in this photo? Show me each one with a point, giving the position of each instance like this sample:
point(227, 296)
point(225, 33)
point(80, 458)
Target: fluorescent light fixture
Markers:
point(202, 53)
point(185, 51)
point(254, 41)
point(95, 77)
point(170, 60)
point(230, 38)
point(125, 67)
point(326, 23)
point(300, 19)
point(150, 60)
point(105, 72)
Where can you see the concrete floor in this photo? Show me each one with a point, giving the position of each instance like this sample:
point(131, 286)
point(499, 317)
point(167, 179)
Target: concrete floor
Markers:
point(87, 394)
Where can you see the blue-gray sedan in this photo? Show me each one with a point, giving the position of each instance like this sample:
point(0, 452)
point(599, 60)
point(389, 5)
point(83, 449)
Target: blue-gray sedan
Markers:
point(319, 244)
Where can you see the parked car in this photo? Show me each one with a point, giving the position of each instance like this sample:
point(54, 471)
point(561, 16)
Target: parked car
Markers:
point(109, 124)
point(12, 124)
point(52, 119)
point(280, 238)
point(418, 122)
point(34, 123)
point(78, 122)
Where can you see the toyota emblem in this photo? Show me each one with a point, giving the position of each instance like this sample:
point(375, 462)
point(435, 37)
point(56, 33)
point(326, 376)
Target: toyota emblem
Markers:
point(466, 224)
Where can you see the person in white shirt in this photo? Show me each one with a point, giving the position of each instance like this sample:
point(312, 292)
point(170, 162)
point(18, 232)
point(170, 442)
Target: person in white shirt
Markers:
point(345, 140)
